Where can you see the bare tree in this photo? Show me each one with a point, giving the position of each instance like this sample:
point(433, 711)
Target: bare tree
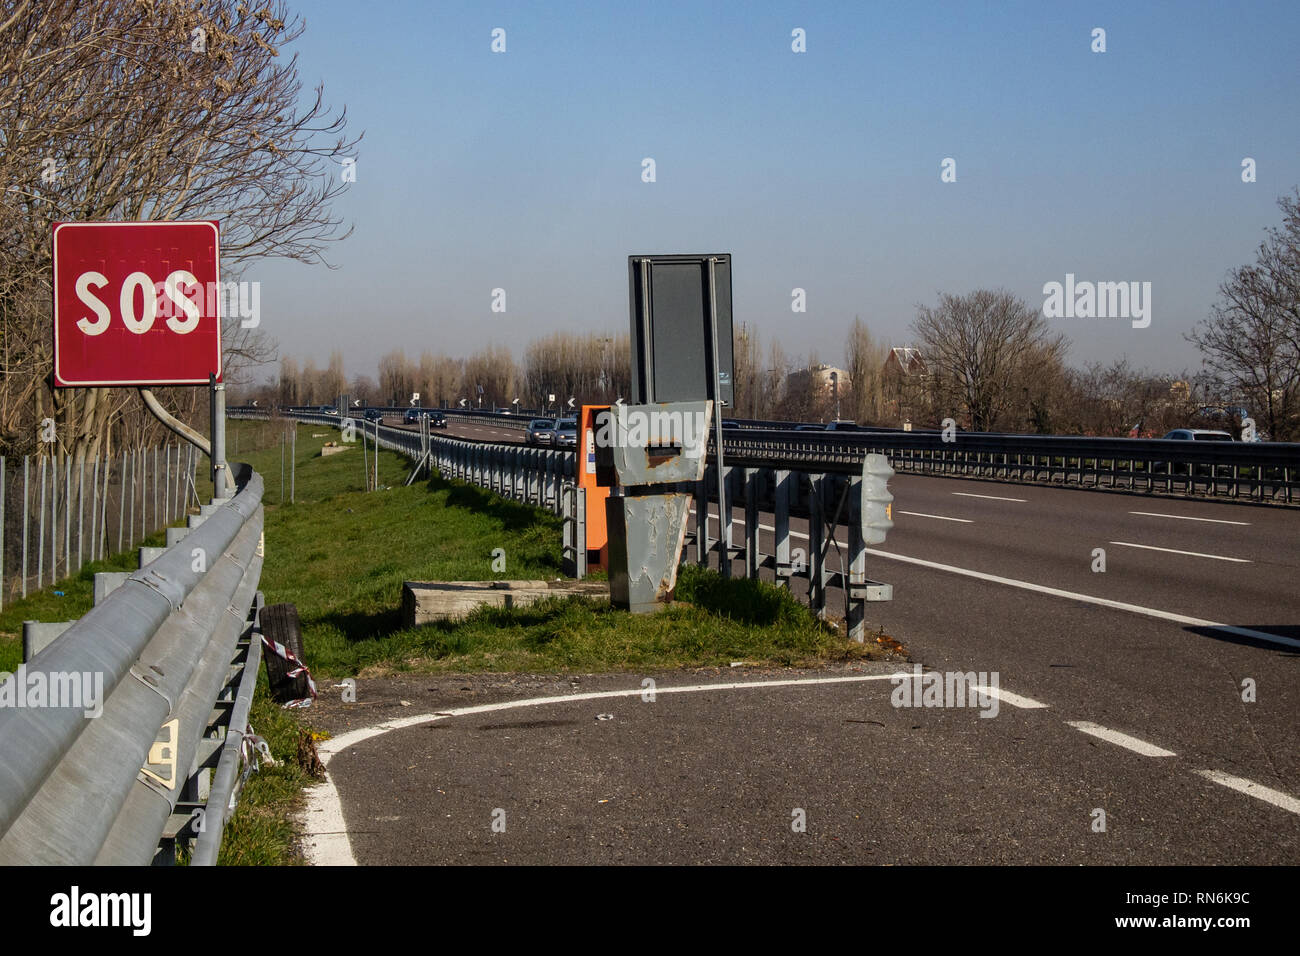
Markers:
point(866, 368)
point(1250, 344)
point(980, 348)
point(149, 110)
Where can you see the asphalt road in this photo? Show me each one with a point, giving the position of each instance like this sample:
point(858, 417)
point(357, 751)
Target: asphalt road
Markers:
point(1133, 713)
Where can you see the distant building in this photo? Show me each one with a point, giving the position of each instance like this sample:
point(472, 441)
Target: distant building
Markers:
point(906, 385)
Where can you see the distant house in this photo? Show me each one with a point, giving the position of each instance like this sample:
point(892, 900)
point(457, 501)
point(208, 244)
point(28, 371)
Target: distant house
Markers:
point(905, 385)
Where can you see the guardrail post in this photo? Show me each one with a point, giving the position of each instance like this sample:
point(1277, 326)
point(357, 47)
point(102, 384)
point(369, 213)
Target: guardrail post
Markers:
point(702, 521)
point(855, 592)
point(752, 559)
point(781, 521)
point(816, 539)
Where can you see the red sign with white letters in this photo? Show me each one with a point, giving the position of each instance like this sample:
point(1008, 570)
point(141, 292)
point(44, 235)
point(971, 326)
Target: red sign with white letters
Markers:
point(136, 303)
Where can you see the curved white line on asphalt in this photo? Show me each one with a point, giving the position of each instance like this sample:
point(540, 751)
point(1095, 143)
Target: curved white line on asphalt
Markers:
point(1089, 599)
point(326, 833)
point(967, 494)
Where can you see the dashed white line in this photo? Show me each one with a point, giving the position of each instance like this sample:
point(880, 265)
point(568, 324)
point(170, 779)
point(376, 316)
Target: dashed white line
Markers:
point(1120, 740)
point(918, 514)
point(1071, 595)
point(1154, 514)
point(1015, 700)
point(1252, 789)
point(965, 494)
point(1190, 554)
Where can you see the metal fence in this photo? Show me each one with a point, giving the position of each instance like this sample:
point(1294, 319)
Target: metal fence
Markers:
point(60, 513)
point(167, 648)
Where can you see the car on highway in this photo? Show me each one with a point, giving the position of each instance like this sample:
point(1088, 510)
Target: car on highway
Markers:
point(809, 428)
point(436, 418)
point(374, 414)
point(1198, 434)
point(566, 433)
point(844, 425)
point(540, 431)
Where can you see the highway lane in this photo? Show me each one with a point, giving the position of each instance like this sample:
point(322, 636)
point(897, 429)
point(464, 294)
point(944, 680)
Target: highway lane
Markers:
point(1178, 686)
point(1140, 716)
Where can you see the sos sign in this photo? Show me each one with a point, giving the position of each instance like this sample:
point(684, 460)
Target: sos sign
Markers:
point(136, 303)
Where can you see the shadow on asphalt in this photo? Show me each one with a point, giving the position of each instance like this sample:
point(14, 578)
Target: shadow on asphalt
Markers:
point(1291, 631)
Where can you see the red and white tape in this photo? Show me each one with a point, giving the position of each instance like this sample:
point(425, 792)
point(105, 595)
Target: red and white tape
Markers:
point(298, 668)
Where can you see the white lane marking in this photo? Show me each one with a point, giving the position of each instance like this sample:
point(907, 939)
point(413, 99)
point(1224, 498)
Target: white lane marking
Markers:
point(1192, 554)
point(1071, 595)
point(1155, 514)
point(965, 494)
point(1120, 740)
point(1252, 789)
point(327, 841)
point(1015, 700)
point(1089, 599)
point(917, 514)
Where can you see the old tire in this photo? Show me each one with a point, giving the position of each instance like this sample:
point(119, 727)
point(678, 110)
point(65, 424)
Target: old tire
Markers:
point(280, 624)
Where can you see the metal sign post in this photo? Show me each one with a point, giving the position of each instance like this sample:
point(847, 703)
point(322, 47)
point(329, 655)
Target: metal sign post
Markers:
point(724, 515)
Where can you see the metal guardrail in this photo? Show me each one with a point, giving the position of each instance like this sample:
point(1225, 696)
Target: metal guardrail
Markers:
point(1264, 472)
point(168, 650)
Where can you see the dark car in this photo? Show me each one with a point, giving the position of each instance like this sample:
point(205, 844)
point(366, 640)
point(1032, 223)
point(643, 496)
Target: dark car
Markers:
point(411, 416)
point(437, 419)
point(566, 433)
point(808, 428)
point(541, 431)
point(374, 414)
point(843, 425)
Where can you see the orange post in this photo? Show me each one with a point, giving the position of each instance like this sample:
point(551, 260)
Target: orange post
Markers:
point(597, 533)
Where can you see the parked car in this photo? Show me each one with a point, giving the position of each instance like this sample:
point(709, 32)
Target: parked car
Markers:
point(566, 433)
point(1198, 434)
point(541, 431)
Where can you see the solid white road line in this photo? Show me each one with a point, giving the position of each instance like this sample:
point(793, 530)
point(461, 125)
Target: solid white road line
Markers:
point(917, 514)
point(1071, 595)
point(1154, 514)
point(327, 841)
point(1252, 789)
point(1120, 740)
point(1090, 599)
point(965, 494)
point(1192, 554)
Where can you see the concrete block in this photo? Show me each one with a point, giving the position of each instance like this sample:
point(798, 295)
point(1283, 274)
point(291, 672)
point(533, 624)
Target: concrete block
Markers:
point(425, 601)
point(38, 635)
point(150, 555)
point(176, 535)
point(327, 450)
point(106, 582)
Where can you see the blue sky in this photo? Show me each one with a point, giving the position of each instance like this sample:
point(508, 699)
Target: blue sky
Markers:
point(819, 170)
